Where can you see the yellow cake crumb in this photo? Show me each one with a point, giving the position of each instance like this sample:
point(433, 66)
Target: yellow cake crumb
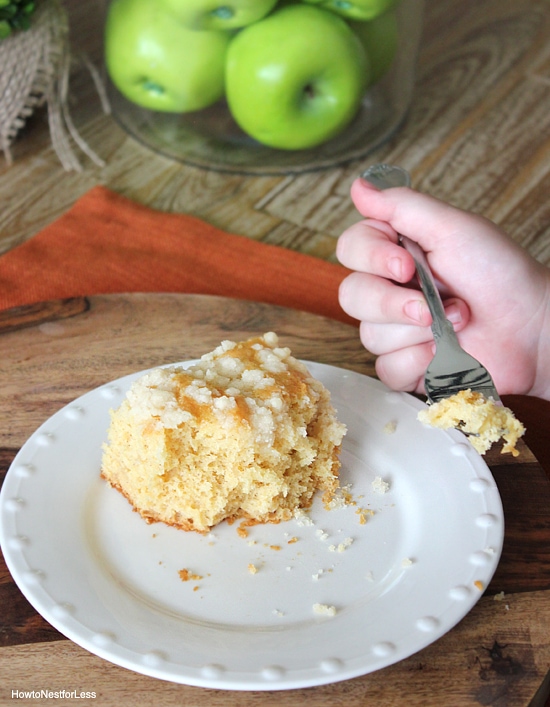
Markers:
point(341, 498)
point(341, 547)
point(245, 433)
point(364, 514)
point(242, 531)
point(324, 609)
point(483, 420)
point(187, 576)
point(379, 485)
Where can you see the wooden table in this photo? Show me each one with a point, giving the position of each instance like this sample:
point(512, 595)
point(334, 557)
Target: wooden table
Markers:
point(498, 654)
point(478, 135)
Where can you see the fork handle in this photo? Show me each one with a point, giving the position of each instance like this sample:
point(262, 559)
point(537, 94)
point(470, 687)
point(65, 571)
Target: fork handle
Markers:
point(385, 176)
point(441, 326)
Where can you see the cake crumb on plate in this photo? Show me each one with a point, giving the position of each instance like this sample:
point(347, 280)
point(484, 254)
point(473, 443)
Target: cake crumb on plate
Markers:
point(186, 575)
point(379, 485)
point(324, 609)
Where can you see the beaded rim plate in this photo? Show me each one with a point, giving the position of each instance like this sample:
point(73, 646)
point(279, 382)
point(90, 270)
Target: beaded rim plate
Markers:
point(327, 596)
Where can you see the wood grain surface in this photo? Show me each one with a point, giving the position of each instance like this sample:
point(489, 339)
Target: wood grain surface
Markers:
point(499, 654)
point(477, 135)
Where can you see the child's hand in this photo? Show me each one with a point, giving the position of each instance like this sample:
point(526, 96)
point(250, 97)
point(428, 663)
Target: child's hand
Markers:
point(495, 294)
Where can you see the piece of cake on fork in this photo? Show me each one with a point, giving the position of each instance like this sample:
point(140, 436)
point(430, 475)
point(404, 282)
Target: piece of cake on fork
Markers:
point(483, 420)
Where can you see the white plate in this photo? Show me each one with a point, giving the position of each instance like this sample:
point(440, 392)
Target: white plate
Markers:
point(110, 582)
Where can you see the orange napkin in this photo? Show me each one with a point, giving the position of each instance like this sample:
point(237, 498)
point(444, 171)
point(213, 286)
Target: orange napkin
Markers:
point(108, 244)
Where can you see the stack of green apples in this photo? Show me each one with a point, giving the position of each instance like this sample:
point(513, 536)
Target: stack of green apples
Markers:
point(292, 72)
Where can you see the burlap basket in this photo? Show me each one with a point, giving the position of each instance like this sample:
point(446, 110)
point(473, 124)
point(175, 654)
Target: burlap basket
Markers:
point(34, 70)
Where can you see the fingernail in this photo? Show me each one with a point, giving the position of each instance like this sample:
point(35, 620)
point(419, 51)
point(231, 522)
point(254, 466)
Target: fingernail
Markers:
point(453, 314)
point(414, 309)
point(395, 266)
point(367, 183)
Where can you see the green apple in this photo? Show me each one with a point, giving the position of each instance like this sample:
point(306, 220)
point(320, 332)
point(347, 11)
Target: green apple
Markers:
point(296, 78)
point(157, 63)
point(217, 14)
point(355, 9)
point(380, 38)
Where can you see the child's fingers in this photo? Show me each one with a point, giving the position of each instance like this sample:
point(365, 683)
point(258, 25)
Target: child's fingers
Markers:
point(381, 339)
point(375, 299)
point(404, 369)
point(370, 246)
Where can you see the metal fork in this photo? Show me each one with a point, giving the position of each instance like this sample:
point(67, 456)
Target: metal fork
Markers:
point(451, 369)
